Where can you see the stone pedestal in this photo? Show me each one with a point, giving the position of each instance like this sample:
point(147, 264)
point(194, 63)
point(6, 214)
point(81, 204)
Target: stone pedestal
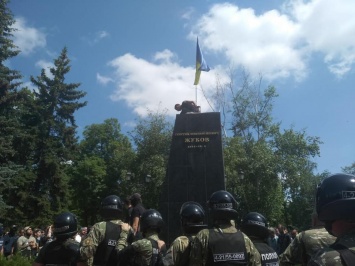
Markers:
point(195, 169)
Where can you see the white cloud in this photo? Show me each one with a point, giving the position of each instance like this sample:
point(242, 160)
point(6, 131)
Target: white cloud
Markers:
point(46, 65)
point(96, 37)
point(103, 80)
point(263, 44)
point(163, 83)
point(278, 44)
point(328, 28)
point(28, 39)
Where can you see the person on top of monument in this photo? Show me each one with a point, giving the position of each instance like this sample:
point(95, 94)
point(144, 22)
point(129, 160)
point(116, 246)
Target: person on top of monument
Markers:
point(188, 107)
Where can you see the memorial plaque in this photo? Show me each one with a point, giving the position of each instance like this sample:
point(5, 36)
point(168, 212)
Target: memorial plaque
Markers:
point(195, 169)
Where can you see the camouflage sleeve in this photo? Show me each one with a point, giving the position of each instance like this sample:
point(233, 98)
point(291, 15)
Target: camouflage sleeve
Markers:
point(293, 253)
point(253, 253)
point(89, 245)
point(199, 248)
point(126, 232)
point(176, 254)
point(326, 256)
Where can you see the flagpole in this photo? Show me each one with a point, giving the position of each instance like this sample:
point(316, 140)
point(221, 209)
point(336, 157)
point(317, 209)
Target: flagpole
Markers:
point(196, 94)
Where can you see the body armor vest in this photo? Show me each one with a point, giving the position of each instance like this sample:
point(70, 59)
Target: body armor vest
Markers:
point(226, 249)
point(104, 250)
point(268, 255)
point(62, 253)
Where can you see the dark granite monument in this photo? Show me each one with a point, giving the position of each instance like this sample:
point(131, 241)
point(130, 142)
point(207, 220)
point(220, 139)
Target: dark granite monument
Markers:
point(195, 169)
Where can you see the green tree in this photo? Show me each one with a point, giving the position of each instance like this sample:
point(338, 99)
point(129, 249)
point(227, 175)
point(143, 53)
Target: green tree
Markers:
point(9, 97)
point(349, 169)
point(56, 143)
point(268, 168)
point(105, 141)
point(87, 178)
point(152, 139)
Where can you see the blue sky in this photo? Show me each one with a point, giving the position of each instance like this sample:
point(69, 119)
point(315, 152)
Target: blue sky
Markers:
point(130, 56)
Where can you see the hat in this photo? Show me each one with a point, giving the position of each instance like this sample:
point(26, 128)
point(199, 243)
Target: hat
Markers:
point(136, 196)
point(27, 227)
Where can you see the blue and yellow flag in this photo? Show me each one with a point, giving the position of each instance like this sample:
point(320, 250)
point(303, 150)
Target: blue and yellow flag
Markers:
point(201, 64)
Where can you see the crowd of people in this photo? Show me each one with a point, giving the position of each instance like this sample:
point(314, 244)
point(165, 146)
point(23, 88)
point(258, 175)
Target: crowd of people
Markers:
point(129, 234)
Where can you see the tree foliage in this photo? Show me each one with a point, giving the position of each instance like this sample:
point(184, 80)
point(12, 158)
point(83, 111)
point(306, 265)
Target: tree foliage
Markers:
point(266, 167)
point(55, 103)
point(152, 139)
point(104, 143)
point(9, 98)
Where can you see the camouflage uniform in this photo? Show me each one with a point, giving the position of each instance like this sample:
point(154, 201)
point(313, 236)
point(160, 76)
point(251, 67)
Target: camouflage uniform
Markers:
point(330, 256)
point(305, 245)
point(178, 253)
point(199, 247)
point(96, 235)
point(139, 252)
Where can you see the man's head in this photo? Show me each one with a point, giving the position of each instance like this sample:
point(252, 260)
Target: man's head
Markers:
point(83, 231)
point(255, 224)
point(38, 232)
point(135, 199)
point(222, 206)
point(192, 217)
point(111, 208)
point(27, 231)
point(127, 202)
point(294, 233)
point(335, 201)
point(65, 225)
point(151, 220)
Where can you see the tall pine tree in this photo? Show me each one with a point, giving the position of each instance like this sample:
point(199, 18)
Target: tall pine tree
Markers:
point(9, 97)
point(56, 103)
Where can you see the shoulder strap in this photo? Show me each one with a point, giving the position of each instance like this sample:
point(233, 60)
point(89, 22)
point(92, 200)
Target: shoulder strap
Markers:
point(347, 255)
point(155, 252)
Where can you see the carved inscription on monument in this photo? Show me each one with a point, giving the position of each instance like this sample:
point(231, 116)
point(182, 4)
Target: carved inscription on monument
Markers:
point(194, 140)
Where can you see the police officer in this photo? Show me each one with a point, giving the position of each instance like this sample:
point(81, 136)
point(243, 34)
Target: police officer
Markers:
point(223, 244)
point(64, 250)
point(108, 235)
point(192, 221)
point(150, 249)
point(307, 243)
point(335, 202)
point(255, 226)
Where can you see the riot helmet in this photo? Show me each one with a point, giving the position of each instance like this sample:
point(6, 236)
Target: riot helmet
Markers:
point(192, 217)
point(111, 207)
point(65, 225)
point(222, 206)
point(255, 224)
point(151, 219)
point(335, 198)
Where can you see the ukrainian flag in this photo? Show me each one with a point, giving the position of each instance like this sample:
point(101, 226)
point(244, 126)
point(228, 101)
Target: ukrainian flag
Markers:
point(201, 64)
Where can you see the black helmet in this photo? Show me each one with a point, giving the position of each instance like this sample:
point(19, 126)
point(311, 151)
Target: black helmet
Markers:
point(151, 219)
point(192, 217)
point(255, 224)
point(222, 204)
point(65, 225)
point(336, 198)
point(111, 207)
